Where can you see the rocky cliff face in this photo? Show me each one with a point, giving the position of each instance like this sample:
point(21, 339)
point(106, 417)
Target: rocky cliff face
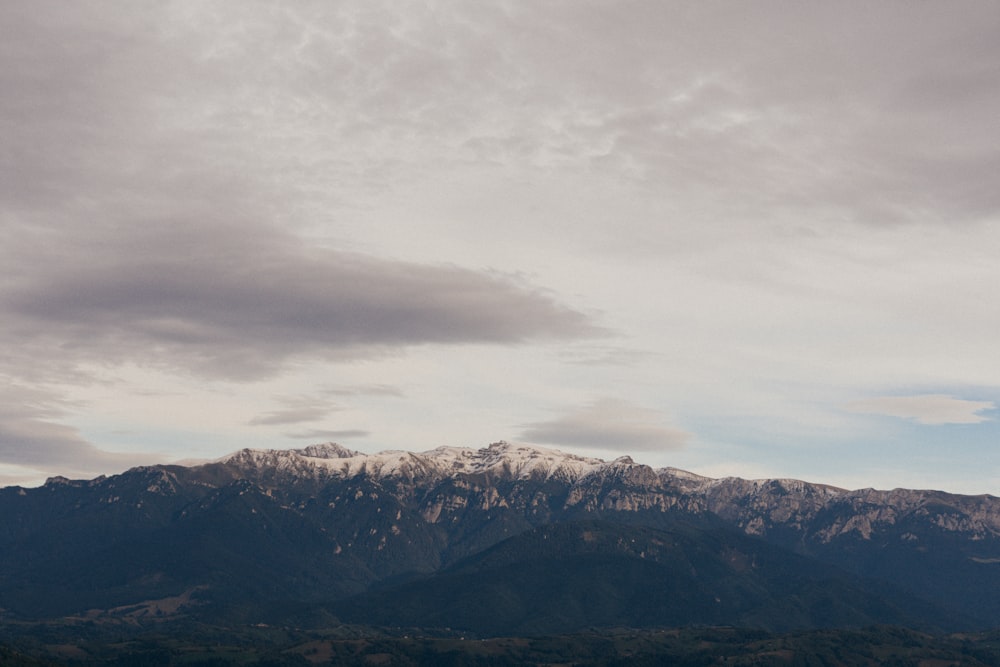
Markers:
point(449, 480)
point(824, 513)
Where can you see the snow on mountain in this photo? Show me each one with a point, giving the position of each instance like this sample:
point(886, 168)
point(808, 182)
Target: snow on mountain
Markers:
point(329, 450)
point(501, 459)
point(519, 461)
point(757, 506)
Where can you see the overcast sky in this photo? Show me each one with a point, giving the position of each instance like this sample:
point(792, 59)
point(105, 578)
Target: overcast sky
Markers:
point(754, 239)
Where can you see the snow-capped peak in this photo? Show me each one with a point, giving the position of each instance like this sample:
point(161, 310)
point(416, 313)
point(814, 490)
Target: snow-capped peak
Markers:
point(520, 461)
point(328, 450)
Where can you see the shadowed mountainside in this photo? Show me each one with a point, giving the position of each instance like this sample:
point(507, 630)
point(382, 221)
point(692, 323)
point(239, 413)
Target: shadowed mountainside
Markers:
point(335, 531)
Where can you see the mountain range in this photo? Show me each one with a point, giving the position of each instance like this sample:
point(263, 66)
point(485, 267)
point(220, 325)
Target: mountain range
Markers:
point(509, 539)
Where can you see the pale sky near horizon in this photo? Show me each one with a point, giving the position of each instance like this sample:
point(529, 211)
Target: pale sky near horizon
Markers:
point(756, 239)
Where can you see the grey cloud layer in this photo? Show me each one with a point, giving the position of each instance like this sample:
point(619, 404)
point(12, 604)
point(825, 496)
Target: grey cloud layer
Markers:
point(291, 416)
point(608, 424)
point(194, 186)
point(871, 112)
point(153, 162)
point(237, 302)
point(333, 435)
point(156, 161)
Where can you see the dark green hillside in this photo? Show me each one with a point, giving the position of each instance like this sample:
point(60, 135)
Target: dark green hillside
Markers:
point(934, 562)
point(570, 576)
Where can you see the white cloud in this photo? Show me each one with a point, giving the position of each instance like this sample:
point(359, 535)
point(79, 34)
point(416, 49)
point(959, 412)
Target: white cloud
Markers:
point(926, 408)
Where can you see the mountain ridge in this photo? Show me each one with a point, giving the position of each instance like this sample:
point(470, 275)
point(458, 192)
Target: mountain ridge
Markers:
point(258, 528)
point(760, 499)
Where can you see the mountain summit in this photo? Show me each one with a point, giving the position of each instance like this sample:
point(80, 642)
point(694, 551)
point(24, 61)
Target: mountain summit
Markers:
point(501, 460)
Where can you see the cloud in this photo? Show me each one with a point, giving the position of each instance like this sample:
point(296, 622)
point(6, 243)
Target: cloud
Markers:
point(242, 191)
point(299, 409)
point(317, 435)
point(159, 218)
point(810, 107)
point(291, 416)
point(237, 302)
point(934, 409)
point(366, 390)
point(608, 424)
point(302, 409)
point(31, 437)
